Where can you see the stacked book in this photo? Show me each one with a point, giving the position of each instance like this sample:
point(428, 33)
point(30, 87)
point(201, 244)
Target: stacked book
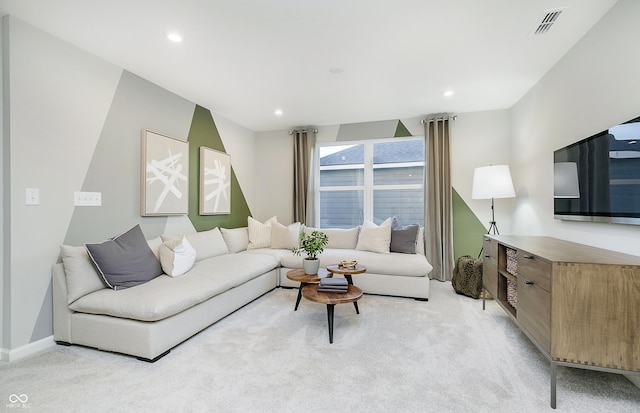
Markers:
point(333, 285)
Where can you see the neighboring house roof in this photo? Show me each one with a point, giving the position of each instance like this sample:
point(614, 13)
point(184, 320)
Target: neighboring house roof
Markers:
point(386, 152)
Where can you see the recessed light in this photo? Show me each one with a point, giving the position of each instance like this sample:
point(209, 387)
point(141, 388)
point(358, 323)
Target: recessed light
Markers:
point(447, 93)
point(336, 70)
point(174, 37)
point(278, 112)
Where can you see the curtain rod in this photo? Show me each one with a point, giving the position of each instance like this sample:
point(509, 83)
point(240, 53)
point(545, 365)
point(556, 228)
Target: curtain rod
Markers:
point(314, 130)
point(423, 121)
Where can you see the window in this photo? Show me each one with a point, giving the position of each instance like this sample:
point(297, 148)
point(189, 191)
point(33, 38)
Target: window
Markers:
point(371, 180)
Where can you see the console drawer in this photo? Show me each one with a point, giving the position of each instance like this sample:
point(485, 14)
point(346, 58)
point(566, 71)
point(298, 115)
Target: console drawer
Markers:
point(535, 269)
point(534, 312)
point(490, 266)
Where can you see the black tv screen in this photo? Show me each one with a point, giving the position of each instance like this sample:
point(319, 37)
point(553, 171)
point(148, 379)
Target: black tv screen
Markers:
point(598, 178)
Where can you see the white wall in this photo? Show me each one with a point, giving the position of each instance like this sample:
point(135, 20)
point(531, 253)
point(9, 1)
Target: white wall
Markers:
point(478, 139)
point(481, 139)
point(273, 178)
point(594, 86)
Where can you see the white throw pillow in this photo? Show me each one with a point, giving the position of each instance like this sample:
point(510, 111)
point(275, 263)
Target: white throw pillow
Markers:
point(237, 239)
point(259, 233)
point(177, 256)
point(285, 237)
point(375, 238)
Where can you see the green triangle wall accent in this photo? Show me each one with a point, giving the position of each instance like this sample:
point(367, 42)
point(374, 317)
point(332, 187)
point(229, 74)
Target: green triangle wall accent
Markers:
point(203, 132)
point(467, 229)
point(401, 131)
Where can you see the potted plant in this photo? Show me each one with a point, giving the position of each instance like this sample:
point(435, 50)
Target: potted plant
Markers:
point(312, 244)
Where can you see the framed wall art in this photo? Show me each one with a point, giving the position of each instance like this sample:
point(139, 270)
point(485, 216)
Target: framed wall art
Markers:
point(164, 188)
point(215, 182)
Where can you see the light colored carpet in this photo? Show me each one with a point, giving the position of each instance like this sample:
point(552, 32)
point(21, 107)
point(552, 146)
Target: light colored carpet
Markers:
point(398, 355)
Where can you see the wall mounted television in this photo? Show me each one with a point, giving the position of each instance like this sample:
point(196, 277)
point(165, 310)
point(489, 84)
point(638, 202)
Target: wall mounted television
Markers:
point(598, 178)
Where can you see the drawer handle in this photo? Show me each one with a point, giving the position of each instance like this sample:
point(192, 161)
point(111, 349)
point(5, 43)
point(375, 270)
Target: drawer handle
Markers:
point(528, 282)
point(487, 256)
point(528, 257)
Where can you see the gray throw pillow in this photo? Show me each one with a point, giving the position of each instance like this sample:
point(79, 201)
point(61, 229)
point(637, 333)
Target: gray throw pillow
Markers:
point(126, 260)
point(403, 239)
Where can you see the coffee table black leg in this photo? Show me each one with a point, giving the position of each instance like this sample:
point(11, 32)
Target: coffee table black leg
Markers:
point(299, 295)
point(350, 281)
point(330, 319)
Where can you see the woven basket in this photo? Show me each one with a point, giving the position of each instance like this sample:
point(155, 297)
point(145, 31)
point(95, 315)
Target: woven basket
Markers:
point(512, 262)
point(512, 294)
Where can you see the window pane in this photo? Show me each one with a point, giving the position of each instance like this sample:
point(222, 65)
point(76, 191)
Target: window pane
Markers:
point(342, 155)
point(342, 177)
point(406, 204)
point(398, 176)
point(400, 151)
point(341, 209)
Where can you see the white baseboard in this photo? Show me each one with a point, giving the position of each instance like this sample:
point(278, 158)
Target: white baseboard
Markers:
point(27, 350)
point(633, 378)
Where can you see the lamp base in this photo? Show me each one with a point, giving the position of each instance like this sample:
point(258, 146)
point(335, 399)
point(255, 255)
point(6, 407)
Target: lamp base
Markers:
point(493, 228)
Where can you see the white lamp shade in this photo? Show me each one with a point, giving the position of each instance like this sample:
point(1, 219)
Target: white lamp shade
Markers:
point(492, 181)
point(565, 180)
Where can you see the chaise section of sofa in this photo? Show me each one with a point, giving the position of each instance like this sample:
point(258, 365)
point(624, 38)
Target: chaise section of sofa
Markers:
point(147, 320)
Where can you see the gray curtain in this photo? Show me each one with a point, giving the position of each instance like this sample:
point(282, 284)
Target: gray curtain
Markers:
point(438, 210)
point(304, 141)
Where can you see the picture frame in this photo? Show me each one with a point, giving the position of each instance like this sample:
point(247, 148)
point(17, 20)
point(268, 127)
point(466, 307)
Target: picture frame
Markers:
point(215, 182)
point(164, 188)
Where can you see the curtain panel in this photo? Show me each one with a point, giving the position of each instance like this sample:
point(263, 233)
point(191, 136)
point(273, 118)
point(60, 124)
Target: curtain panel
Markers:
point(438, 204)
point(304, 141)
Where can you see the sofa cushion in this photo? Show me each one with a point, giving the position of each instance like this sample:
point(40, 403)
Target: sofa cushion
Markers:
point(81, 275)
point(207, 244)
point(285, 237)
point(394, 263)
point(164, 296)
point(177, 256)
point(403, 239)
point(420, 242)
point(375, 238)
point(126, 260)
point(259, 233)
point(237, 239)
point(155, 244)
point(338, 237)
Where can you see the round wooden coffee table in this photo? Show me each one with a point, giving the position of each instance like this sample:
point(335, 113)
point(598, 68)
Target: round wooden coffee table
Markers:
point(347, 273)
point(298, 275)
point(311, 293)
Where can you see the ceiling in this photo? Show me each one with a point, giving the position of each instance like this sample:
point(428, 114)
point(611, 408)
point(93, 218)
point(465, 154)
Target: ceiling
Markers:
point(244, 59)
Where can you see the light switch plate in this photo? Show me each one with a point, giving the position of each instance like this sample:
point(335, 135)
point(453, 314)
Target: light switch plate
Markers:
point(87, 198)
point(32, 196)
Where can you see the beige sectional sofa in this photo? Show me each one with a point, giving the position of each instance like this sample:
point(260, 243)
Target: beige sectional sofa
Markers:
point(230, 270)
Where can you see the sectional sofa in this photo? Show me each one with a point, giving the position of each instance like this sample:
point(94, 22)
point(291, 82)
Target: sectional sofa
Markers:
point(225, 269)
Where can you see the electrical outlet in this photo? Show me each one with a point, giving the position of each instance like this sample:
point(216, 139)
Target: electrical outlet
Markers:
point(87, 198)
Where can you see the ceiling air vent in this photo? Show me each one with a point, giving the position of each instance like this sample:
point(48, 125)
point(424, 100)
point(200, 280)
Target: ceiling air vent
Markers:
point(547, 20)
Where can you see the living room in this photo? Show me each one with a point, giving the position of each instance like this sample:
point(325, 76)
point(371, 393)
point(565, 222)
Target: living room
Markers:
point(72, 121)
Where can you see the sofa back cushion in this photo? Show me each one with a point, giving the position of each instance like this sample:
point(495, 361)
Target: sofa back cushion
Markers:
point(285, 237)
point(237, 239)
point(339, 238)
point(207, 244)
point(81, 275)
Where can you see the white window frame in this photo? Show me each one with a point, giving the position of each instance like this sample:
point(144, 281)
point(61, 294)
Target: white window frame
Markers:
point(368, 186)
